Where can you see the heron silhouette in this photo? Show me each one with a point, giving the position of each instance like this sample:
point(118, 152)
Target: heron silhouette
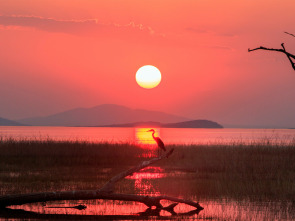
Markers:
point(158, 141)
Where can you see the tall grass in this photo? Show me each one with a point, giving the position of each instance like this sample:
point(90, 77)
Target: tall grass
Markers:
point(256, 170)
point(239, 170)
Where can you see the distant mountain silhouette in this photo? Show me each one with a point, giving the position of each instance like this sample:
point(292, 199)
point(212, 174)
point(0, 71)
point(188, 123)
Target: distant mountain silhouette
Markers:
point(185, 124)
point(136, 124)
point(194, 124)
point(6, 122)
point(106, 114)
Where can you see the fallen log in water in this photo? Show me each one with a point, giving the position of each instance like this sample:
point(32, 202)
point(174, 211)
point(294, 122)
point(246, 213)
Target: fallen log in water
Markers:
point(106, 192)
point(9, 214)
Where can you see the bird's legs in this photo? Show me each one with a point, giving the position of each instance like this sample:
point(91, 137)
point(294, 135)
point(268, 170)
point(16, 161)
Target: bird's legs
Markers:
point(159, 152)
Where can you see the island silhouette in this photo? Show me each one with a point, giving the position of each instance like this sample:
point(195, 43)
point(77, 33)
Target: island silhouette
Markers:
point(111, 115)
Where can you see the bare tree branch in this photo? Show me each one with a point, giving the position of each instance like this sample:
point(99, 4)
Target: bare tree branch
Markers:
point(292, 63)
point(289, 55)
point(273, 49)
point(289, 34)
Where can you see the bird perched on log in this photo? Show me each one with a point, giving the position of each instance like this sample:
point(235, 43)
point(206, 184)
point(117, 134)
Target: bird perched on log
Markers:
point(158, 141)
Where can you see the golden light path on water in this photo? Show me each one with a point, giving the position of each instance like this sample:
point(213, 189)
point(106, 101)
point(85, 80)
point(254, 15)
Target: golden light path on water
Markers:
point(142, 180)
point(142, 136)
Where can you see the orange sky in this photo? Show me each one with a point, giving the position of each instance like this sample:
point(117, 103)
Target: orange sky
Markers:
point(57, 55)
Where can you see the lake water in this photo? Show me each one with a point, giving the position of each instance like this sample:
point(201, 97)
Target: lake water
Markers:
point(214, 209)
point(141, 136)
point(114, 210)
point(145, 182)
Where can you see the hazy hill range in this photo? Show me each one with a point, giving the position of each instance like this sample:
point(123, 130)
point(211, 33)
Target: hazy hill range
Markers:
point(194, 124)
point(185, 124)
point(6, 122)
point(106, 114)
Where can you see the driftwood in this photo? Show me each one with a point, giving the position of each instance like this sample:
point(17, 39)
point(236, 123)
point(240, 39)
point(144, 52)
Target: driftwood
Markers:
point(79, 207)
point(25, 215)
point(106, 192)
point(283, 50)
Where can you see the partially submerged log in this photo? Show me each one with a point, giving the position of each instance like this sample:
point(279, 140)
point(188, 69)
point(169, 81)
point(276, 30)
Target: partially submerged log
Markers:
point(106, 192)
point(109, 186)
point(9, 214)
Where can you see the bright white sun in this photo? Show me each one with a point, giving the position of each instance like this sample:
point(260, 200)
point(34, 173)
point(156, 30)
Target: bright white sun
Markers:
point(148, 76)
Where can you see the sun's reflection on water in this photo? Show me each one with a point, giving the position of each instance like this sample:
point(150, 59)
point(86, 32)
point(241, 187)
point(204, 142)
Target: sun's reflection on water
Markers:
point(143, 180)
point(144, 138)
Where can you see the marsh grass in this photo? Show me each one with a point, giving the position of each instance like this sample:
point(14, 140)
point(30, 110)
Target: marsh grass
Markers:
point(257, 170)
point(254, 170)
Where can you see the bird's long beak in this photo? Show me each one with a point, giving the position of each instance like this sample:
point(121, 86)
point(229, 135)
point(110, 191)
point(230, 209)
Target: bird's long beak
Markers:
point(149, 130)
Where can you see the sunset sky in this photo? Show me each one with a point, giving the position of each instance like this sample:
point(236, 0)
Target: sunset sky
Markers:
point(56, 55)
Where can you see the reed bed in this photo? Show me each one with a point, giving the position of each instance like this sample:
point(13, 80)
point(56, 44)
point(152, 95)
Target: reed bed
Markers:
point(255, 170)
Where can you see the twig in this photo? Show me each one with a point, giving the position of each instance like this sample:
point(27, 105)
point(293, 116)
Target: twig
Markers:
point(292, 63)
point(289, 34)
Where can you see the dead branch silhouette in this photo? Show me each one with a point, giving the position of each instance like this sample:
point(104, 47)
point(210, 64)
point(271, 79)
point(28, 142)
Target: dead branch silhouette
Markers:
point(283, 50)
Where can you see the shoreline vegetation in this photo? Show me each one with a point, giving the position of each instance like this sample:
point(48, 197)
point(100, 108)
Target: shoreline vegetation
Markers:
point(258, 171)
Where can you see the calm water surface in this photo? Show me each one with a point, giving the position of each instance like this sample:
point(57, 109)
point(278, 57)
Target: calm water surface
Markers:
point(140, 135)
point(143, 183)
point(215, 209)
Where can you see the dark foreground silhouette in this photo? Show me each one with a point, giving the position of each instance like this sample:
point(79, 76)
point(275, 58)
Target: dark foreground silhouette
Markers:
point(106, 192)
point(7, 213)
point(158, 140)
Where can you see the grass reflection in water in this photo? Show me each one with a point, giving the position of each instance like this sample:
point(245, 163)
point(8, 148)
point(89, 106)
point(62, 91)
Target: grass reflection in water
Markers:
point(231, 182)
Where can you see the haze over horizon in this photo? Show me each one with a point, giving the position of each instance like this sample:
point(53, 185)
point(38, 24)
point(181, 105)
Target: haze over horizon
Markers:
point(55, 58)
